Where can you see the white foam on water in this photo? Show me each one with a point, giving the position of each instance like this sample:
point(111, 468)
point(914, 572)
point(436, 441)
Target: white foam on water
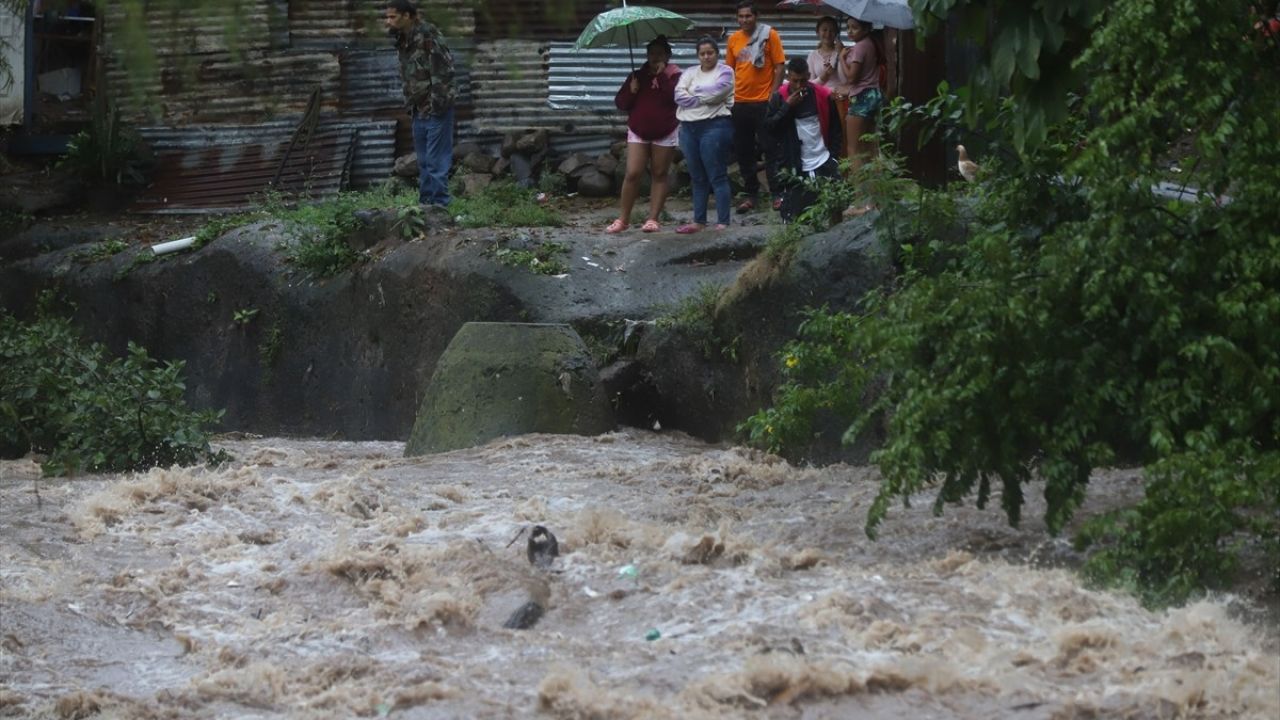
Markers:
point(317, 579)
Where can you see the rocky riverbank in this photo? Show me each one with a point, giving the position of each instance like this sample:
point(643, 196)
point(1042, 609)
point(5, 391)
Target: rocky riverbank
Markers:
point(350, 356)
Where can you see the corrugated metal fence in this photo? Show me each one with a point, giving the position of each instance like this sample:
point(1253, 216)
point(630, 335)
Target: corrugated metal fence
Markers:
point(517, 70)
point(588, 79)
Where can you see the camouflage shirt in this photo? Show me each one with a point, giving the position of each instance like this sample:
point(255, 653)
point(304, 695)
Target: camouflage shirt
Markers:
point(426, 67)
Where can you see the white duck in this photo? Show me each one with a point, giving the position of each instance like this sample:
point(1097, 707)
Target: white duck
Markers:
point(968, 168)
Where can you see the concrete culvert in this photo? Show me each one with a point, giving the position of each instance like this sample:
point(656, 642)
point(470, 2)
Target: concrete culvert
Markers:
point(500, 379)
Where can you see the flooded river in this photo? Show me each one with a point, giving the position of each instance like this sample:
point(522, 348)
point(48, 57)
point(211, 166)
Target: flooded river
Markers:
point(326, 579)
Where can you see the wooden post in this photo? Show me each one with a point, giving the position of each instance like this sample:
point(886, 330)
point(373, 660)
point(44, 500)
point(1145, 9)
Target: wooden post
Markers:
point(914, 74)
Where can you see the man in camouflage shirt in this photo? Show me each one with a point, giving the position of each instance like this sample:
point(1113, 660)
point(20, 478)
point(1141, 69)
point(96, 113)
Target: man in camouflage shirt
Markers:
point(426, 68)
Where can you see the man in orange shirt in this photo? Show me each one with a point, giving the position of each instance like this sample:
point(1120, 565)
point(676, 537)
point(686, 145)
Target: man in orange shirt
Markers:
point(756, 56)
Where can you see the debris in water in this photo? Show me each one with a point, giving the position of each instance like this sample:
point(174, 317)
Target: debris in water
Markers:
point(589, 592)
point(543, 548)
point(629, 571)
point(653, 634)
point(803, 560)
point(517, 537)
point(525, 617)
point(705, 551)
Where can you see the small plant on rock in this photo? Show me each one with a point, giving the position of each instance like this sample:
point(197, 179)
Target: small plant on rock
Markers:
point(108, 152)
point(220, 226)
point(410, 221)
point(504, 205)
point(540, 259)
point(244, 316)
point(695, 317)
point(269, 349)
point(103, 250)
point(321, 228)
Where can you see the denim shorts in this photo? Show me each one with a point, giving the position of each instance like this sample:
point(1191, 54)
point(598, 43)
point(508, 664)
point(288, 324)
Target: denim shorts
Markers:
point(866, 103)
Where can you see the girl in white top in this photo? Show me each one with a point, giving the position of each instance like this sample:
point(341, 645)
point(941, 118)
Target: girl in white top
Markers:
point(704, 97)
point(825, 67)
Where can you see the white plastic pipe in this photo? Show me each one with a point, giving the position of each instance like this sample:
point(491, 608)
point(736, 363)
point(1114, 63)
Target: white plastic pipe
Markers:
point(173, 245)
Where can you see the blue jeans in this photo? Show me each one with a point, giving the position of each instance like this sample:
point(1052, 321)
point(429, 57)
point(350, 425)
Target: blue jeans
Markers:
point(706, 150)
point(433, 143)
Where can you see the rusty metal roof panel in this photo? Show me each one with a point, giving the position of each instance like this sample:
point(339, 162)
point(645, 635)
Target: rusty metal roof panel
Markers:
point(315, 24)
point(375, 153)
point(226, 177)
point(509, 87)
point(219, 89)
point(176, 28)
point(335, 24)
point(371, 79)
point(587, 144)
point(375, 146)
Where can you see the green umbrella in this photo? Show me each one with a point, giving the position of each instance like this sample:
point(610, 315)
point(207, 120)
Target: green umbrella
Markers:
point(635, 24)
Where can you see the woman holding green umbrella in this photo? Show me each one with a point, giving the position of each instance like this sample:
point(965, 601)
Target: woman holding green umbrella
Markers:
point(648, 96)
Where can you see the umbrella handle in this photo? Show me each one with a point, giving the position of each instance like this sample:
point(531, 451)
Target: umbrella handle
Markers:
point(630, 43)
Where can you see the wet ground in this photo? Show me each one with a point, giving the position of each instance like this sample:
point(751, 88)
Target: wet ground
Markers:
point(325, 579)
point(586, 215)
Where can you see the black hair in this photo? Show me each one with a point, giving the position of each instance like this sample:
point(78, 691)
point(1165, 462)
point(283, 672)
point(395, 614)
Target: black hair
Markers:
point(707, 40)
point(828, 19)
point(749, 5)
point(861, 23)
point(660, 41)
point(798, 65)
point(404, 7)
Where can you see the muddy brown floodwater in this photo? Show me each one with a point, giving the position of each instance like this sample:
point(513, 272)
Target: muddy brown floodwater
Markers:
point(326, 579)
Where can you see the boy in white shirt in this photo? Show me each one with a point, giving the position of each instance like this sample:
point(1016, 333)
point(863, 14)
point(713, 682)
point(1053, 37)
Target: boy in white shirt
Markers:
point(804, 120)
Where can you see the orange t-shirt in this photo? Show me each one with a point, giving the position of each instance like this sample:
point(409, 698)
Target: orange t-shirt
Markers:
point(751, 83)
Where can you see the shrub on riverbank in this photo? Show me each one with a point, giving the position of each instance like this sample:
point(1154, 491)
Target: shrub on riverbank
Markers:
point(504, 204)
point(86, 411)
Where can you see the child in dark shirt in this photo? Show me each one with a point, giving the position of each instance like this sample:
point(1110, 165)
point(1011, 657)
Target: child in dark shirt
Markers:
point(803, 120)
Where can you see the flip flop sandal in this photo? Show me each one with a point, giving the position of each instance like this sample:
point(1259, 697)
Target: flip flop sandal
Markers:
point(689, 229)
point(650, 226)
point(616, 226)
point(746, 206)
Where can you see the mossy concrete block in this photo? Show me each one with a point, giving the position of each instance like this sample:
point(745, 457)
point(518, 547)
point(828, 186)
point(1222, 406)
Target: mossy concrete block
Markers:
point(499, 379)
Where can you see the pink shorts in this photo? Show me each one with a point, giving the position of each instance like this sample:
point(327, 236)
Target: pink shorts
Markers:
point(671, 140)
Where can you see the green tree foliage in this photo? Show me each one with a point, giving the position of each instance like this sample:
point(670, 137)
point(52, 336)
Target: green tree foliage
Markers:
point(1058, 315)
point(88, 412)
point(1029, 50)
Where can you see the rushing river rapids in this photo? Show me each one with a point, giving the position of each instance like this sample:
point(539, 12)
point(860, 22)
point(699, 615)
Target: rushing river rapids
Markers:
point(322, 579)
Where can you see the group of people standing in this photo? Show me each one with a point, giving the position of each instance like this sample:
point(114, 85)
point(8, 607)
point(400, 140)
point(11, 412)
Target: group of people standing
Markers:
point(829, 102)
